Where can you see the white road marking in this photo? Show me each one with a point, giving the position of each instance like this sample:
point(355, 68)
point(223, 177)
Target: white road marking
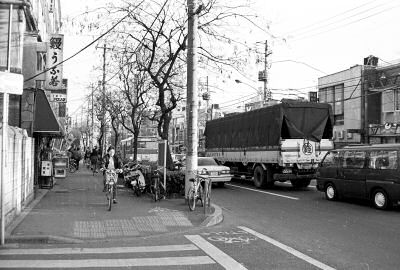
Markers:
point(218, 255)
point(110, 250)
point(288, 249)
point(106, 263)
point(265, 192)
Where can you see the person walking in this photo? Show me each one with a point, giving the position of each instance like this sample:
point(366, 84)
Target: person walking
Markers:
point(111, 162)
point(94, 156)
point(76, 154)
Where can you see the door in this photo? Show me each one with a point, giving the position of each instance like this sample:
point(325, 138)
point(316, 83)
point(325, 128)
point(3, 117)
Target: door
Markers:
point(383, 169)
point(354, 173)
point(328, 171)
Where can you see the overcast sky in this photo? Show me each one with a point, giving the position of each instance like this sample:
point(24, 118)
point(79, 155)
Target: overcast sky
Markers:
point(308, 39)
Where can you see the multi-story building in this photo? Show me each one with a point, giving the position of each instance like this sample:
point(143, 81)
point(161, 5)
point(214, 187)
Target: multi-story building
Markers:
point(364, 101)
point(30, 117)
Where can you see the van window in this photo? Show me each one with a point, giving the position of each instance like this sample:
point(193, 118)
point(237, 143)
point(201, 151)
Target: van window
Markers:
point(331, 159)
point(383, 160)
point(354, 159)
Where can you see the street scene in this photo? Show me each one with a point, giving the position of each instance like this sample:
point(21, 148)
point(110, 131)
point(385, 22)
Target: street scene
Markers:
point(199, 134)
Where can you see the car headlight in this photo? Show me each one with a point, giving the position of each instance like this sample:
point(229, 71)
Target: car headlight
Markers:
point(225, 171)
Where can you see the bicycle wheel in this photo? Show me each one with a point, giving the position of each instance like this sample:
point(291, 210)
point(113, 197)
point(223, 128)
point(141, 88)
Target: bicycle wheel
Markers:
point(192, 197)
point(200, 195)
point(72, 168)
point(109, 197)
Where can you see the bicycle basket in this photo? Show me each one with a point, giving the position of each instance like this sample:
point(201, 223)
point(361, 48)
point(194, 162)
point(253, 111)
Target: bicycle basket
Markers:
point(110, 177)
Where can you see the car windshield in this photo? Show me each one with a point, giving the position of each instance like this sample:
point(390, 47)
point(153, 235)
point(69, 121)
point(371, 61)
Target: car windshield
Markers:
point(206, 162)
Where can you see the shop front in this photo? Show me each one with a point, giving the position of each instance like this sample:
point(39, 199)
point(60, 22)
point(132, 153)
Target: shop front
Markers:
point(49, 138)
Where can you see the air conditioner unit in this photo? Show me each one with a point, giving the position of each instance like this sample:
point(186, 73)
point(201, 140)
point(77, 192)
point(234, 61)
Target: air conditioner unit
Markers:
point(341, 134)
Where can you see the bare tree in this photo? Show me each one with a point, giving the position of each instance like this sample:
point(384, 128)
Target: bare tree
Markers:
point(131, 98)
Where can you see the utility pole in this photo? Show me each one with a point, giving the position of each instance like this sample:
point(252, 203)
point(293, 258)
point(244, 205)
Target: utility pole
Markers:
point(103, 104)
point(192, 96)
point(92, 129)
point(266, 92)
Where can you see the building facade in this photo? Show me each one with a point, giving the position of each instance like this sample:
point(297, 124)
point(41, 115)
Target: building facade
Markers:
point(365, 101)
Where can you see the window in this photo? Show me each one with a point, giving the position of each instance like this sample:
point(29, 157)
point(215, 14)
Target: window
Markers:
point(383, 160)
point(322, 95)
point(331, 159)
point(354, 159)
point(388, 101)
point(339, 99)
point(397, 99)
point(41, 61)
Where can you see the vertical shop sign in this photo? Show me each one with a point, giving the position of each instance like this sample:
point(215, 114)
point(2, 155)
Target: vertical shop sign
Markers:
point(54, 58)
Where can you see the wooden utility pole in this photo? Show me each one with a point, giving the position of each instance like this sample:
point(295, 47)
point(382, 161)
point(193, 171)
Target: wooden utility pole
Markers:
point(92, 129)
point(192, 96)
point(103, 104)
point(266, 92)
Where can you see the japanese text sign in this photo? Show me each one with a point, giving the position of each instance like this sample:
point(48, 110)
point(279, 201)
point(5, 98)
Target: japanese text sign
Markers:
point(54, 56)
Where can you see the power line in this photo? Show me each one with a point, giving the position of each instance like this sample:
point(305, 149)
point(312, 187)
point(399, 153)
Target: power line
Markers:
point(340, 26)
point(84, 48)
point(316, 26)
point(335, 16)
point(137, 47)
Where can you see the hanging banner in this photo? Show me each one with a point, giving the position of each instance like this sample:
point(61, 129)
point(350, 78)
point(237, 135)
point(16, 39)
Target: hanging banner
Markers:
point(55, 56)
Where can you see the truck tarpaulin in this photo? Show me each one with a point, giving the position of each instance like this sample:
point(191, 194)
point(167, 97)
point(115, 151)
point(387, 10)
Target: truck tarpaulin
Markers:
point(266, 126)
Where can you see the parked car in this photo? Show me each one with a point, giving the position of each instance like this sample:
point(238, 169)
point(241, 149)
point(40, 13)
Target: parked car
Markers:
point(217, 173)
point(369, 172)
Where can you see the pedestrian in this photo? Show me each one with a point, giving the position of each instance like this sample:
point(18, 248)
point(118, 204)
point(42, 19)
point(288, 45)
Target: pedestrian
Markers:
point(94, 157)
point(112, 162)
point(77, 155)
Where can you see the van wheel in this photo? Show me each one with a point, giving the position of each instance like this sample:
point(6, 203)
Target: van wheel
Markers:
point(331, 192)
point(263, 178)
point(380, 199)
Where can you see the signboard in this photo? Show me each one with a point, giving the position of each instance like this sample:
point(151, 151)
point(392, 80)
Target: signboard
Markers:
point(55, 56)
point(11, 83)
point(59, 97)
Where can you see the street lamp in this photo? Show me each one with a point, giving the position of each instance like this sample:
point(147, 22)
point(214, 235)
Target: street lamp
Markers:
point(258, 91)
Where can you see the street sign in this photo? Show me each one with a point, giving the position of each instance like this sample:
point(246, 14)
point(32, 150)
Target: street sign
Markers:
point(59, 97)
point(54, 80)
point(11, 83)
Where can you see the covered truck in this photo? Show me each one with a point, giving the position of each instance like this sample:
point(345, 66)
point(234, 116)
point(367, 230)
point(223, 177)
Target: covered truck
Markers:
point(277, 143)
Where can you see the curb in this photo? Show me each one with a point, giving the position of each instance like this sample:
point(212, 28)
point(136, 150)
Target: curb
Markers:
point(215, 218)
point(10, 228)
point(46, 239)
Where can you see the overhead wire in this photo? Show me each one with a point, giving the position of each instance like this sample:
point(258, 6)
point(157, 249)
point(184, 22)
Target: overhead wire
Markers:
point(84, 48)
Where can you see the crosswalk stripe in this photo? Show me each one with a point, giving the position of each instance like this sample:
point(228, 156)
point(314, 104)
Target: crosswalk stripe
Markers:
point(288, 249)
point(96, 263)
point(218, 255)
point(109, 250)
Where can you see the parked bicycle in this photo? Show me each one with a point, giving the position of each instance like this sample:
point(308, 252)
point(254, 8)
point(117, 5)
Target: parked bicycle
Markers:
point(72, 166)
point(157, 188)
point(111, 185)
point(196, 191)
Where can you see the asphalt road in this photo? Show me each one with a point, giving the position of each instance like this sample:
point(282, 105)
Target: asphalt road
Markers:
point(343, 235)
point(279, 228)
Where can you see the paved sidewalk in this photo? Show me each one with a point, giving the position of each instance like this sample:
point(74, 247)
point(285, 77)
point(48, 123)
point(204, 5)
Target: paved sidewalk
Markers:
point(75, 210)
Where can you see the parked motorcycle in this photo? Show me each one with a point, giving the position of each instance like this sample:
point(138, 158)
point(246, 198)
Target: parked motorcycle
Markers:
point(134, 178)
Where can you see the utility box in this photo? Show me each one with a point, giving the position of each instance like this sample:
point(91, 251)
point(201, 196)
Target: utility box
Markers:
point(60, 167)
point(46, 168)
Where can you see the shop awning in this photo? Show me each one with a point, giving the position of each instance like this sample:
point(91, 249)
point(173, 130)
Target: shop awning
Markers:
point(45, 122)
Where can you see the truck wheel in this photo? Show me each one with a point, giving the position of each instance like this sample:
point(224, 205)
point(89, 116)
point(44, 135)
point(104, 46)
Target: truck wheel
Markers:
point(262, 178)
point(300, 183)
